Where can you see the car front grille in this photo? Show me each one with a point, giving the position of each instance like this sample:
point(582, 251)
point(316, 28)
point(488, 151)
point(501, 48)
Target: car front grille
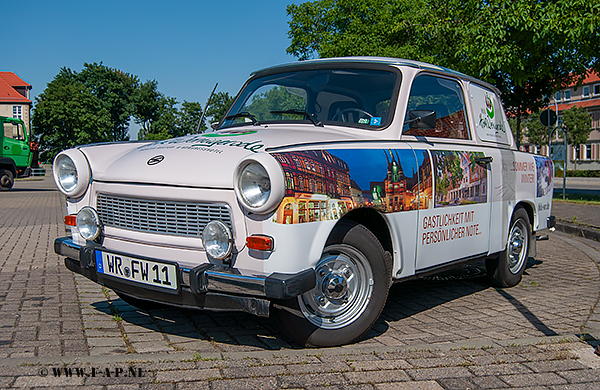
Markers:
point(158, 216)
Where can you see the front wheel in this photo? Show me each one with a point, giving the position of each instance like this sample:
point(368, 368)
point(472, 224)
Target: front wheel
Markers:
point(6, 180)
point(351, 290)
point(506, 270)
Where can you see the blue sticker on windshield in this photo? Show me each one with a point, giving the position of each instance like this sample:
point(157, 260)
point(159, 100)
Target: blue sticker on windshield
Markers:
point(376, 121)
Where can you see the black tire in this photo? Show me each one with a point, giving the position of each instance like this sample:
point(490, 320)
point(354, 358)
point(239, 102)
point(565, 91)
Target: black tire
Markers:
point(7, 180)
point(352, 287)
point(506, 269)
point(139, 303)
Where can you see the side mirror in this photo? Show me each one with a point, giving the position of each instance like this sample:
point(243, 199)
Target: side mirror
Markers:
point(421, 119)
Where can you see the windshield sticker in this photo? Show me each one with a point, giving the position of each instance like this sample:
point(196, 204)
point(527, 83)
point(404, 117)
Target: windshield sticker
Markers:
point(376, 121)
point(363, 121)
point(324, 185)
point(202, 143)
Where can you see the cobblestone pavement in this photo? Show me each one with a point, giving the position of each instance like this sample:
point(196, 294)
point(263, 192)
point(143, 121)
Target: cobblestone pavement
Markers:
point(446, 332)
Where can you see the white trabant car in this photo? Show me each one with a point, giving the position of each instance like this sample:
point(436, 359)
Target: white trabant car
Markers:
point(327, 181)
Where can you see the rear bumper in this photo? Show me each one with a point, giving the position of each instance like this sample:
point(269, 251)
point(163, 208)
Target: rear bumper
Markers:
point(206, 286)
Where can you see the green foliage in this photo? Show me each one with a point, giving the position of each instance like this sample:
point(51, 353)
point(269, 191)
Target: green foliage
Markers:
point(537, 134)
point(578, 123)
point(114, 88)
point(527, 48)
point(583, 173)
point(188, 118)
point(66, 114)
point(219, 104)
point(96, 104)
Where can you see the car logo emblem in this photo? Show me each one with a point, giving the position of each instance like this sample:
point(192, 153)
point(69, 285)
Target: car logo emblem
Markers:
point(155, 160)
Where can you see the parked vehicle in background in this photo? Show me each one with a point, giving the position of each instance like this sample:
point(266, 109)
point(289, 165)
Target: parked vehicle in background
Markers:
point(326, 182)
point(16, 156)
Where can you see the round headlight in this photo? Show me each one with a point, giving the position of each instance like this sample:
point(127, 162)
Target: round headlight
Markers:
point(254, 185)
point(71, 172)
point(66, 173)
point(259, 183)
point(217, 240)
point(88, 223)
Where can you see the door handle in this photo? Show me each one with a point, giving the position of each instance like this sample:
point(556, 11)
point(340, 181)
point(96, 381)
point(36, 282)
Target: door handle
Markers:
point(483, 160)
point(6, 147)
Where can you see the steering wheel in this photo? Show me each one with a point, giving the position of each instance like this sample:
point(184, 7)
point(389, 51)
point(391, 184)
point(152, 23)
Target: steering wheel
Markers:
point(344, 118)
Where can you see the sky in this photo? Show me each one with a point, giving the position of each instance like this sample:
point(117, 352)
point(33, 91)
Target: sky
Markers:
point(187, 46)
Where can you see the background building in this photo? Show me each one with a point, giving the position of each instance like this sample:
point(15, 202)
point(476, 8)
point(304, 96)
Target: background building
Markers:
point(14, 97)
point(586, 95)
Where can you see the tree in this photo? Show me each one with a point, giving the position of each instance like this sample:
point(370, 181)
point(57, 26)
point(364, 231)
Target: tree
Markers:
point(537, 134)
point(578, 124)
point(527, 48)
point(67, 114)
point(219, 104)
point(146, 106)
point(188, 118)
point(115, 90)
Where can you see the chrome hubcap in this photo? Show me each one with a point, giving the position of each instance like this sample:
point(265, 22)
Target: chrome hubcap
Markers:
point(517, 244)
point(343, 290)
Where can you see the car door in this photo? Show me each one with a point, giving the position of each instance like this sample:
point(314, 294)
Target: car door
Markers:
point(15, 143)
point(457, 224)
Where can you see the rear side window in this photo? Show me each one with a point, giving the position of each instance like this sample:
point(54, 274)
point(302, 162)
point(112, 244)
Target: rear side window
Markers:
point(436, 108)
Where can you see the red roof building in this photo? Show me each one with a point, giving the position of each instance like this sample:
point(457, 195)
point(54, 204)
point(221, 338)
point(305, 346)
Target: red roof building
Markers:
point(586, 95)
point(14, 97)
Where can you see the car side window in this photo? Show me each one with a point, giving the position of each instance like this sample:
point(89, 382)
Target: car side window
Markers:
point(436, 108)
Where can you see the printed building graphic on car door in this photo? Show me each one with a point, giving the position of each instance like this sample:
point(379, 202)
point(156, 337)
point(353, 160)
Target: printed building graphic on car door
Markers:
point(325, 184)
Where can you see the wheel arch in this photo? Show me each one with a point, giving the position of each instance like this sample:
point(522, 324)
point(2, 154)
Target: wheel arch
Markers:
point(374, 222)
point(8, 163)
point(530, 209)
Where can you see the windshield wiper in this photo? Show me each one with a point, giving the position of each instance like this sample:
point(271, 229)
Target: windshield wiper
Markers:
point(244, 115)
point(310, 117)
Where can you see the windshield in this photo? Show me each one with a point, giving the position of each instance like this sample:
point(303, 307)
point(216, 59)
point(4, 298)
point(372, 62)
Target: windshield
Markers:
point(351, 97)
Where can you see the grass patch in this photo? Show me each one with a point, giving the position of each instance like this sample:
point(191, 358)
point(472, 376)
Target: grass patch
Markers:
point(577, 198)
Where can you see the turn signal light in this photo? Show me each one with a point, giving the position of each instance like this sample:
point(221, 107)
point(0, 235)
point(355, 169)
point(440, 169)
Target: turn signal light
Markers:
point(71, 220)
point(260, 243)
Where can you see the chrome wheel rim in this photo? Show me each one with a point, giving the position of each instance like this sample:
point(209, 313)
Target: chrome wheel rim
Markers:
point(517, 246)
point(343, 291)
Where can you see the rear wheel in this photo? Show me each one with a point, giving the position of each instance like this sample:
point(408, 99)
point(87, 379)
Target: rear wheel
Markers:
point(7, 180)
point(351, 290)
point(506, 270)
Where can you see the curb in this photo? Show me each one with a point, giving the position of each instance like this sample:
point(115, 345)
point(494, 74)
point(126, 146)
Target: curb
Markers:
point(578, 230)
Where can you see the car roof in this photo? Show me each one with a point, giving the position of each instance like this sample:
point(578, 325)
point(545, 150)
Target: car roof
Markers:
point(371, 60)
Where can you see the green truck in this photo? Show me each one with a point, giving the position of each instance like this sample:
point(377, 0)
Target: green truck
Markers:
point(16, 156)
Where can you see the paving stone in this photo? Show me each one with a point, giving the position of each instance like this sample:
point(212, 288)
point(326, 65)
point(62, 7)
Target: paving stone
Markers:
point(437, 373)
point(187, 375)
point(422, 385)
point(529, 380)
point(377, 376)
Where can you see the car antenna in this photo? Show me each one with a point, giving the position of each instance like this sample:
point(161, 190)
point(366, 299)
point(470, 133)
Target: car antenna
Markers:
point(205, 108)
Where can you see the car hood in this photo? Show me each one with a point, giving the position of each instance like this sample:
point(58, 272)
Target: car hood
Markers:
point(203, 160)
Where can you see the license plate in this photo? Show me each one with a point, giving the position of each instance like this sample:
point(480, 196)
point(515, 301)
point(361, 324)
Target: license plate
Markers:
point(147, 272)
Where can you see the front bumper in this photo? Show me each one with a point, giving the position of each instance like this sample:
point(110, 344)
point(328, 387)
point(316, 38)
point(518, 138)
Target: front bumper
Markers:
point(206, 286)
